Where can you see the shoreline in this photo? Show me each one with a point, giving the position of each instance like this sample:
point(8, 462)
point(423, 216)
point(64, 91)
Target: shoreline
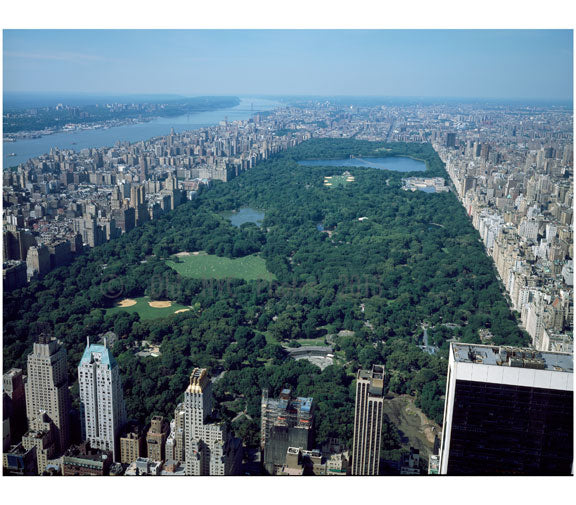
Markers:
point(98, 125)
point(28, 147)
point(105, 125)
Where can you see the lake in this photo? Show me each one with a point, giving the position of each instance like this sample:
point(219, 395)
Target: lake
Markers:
point(30, 148)
point(245, 215)
point(396, 163)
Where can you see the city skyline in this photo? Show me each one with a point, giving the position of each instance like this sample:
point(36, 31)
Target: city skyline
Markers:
point(483, 64)
point(290, 247)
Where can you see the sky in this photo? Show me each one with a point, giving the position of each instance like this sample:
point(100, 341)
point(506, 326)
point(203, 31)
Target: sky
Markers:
point(509, 64)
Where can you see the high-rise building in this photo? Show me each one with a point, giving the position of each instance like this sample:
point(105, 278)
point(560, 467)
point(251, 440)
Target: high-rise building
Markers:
point(17, 243)
point(125, 219)
point(156, 438)
point(38, 261)
point(14, 405)
point(368, 421)
point(14, 275)
point(47, 388)
point(116, 199)
point(507, 411)
point(175, 444)
point(209, 448)
point(285, 422)
point(103, 413)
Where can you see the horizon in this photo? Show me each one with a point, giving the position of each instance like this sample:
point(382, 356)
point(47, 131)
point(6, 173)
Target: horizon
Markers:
point(20, 95)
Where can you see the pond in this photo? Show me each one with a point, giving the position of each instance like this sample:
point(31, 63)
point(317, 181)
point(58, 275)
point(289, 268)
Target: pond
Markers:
point(245, 215)
point(396, 163)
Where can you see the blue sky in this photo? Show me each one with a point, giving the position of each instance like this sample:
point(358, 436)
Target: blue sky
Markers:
point(448, 63)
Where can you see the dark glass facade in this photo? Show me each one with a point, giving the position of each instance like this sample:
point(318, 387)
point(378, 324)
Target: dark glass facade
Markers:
point(499, 429)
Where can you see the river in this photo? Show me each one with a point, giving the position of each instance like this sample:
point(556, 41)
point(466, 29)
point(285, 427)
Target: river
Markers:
point(30, 148)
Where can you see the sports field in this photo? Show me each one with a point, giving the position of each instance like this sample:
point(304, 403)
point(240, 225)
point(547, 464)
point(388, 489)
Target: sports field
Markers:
point(200, 265)
point(148, 309)
point(338, 180)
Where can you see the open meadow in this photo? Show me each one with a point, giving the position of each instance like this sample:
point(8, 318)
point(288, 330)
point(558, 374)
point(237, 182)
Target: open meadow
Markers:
point(200, 265)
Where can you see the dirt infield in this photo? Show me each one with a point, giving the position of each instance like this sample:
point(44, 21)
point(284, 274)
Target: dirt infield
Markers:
point(181, 310)
point(127, 302)
point(160, 305)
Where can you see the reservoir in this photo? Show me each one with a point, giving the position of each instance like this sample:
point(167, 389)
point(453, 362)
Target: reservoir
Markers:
point(82, 139)
point(245, 215)
point(396, 163)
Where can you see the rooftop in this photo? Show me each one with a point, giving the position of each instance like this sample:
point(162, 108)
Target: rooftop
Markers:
point(98, 352)
point(13, 372)
point(513, 357)
point(198, 380)
point(375, 376)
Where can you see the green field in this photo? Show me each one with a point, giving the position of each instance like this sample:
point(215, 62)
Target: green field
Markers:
point(209, 266)
point(147, 312)
point(336, 180)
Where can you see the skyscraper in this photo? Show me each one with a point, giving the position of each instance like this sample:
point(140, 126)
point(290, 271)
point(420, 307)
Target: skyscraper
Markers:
point(101, 400)
point(368, 421)
point(450, 140)
point(47, 388)
point(38, 260)
point(175, 444)
point(285, 422)
point(507, 411)
point(209, 448)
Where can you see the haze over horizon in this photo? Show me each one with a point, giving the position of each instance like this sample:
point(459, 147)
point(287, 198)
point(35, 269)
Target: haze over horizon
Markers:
point(482, 64)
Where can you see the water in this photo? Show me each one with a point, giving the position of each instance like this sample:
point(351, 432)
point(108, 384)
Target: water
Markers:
point(428, 189)
point(320, 227)
point(396, 163)
point(246, 215)
point(30, 148)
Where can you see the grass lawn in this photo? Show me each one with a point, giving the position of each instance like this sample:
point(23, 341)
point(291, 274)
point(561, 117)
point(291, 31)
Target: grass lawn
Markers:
point(147, 312)
point(209, 266)
point(337, 180)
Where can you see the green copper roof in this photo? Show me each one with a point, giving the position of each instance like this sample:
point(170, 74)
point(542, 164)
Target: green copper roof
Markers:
point(106, 356)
